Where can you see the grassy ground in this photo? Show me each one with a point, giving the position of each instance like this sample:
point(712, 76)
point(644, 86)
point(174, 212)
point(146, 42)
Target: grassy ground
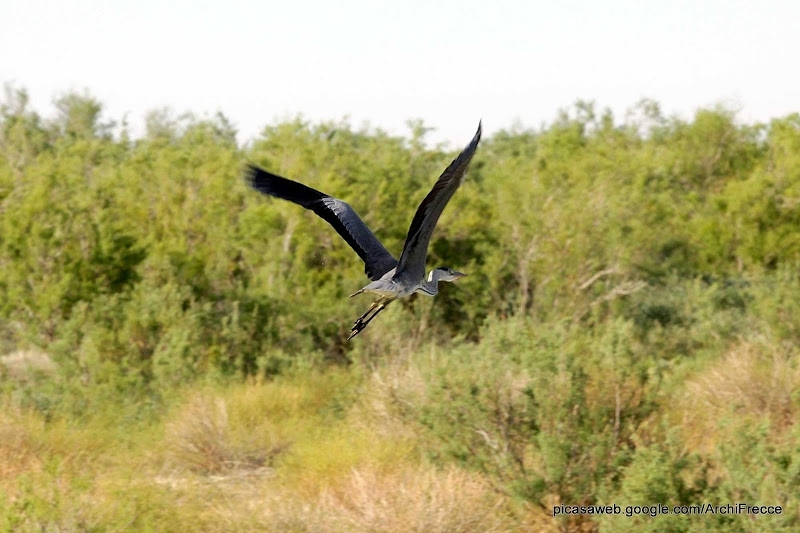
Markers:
point(360, 449)
point(310, 454)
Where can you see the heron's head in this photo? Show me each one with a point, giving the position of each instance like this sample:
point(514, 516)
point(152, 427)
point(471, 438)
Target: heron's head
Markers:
point(445, 274)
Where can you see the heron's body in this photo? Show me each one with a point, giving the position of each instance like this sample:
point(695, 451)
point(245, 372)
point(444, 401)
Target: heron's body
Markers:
point(391, 278)
point(387, 286)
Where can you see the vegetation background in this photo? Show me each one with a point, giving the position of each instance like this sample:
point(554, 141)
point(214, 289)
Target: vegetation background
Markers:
point(175, 353)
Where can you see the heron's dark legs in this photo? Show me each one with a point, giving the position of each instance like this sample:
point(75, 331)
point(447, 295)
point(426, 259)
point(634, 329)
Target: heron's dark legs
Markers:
point(362, 321)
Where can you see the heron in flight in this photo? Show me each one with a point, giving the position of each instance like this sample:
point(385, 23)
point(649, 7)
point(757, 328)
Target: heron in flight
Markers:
point(391, 278)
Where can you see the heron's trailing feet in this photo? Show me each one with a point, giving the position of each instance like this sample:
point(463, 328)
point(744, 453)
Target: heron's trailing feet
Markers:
point(362, 321)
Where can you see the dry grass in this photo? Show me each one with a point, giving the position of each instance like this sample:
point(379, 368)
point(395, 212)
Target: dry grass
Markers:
point(752, 381)
point(24, 365)
point(57, 476)
point(392, 389)
point(418, 500)
point(355, 473)
point(200, 438)
point(18, 450)
point(248, 426)
point(206, 467)
point(375, 499)
point(371, 498)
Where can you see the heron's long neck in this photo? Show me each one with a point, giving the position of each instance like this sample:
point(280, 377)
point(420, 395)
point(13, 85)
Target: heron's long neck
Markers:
point(431, 285)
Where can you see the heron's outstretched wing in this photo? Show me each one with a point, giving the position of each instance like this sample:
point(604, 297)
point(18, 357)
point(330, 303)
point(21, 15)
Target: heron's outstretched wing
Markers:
point(415, 250)
point(377, 260)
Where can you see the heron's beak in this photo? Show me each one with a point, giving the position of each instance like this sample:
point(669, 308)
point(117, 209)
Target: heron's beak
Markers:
point(459, 274)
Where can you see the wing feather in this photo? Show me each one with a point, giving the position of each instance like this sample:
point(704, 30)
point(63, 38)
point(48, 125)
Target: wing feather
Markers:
point(377, 260)
point(415, 250)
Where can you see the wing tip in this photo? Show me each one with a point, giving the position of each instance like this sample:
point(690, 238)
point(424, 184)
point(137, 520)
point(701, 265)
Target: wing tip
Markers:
point(268, 183)
point(251, 173)
point(478, 133)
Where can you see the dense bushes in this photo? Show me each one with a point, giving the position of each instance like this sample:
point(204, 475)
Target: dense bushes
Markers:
point(560, 223)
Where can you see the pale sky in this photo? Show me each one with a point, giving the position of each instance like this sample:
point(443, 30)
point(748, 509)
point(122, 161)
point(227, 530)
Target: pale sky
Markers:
point(447, 62)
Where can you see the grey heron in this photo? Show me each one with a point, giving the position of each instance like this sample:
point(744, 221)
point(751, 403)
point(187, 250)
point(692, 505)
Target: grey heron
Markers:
point(391, 278)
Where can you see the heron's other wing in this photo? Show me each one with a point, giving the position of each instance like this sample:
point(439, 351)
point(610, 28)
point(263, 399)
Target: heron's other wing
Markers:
point(415, 250)
point(377, 260)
